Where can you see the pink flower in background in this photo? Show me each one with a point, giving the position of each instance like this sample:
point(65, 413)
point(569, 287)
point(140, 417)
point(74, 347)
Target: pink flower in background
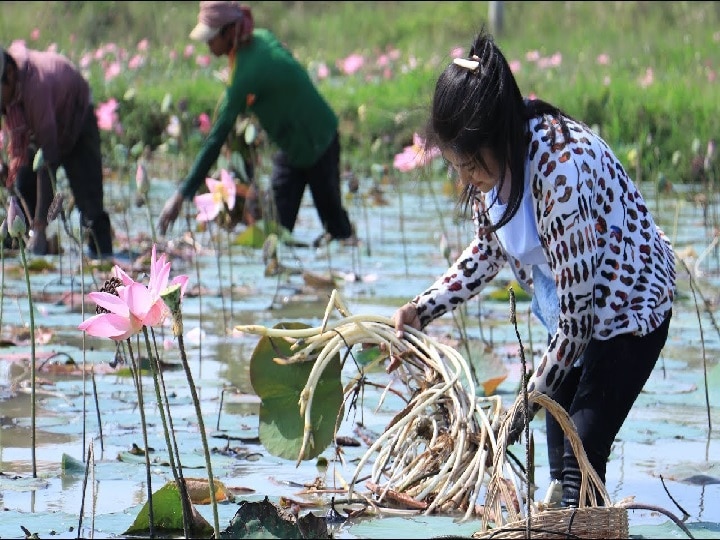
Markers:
point(172, 55)
point(648, 78)
point(323, 72)
point(457, 52)
point(383, 60)
point(603, 59)
point(136, 61)
point(394, 54)
point(415, 155)
point(532, 56)
point(532, 96)
point(35, 34)
point(221, 193)
point(515, 66)
point(142, 45)
point(204, 123)
point(86, 60)
point(106, 114)
point(203, 60)
point(112, 71)
point(189, 51)
point(174, 128)
point(351, 64)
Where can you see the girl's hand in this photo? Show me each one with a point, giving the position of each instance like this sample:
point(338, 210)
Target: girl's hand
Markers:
point(407, 315)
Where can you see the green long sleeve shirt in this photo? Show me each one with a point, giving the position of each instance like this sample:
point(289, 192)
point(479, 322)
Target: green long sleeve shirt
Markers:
point(271, 84)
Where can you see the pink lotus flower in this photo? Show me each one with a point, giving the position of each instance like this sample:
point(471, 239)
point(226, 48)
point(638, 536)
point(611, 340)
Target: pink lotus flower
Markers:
point(204, 123)
point(351, 64)
point(112, 71)
point(135, 305)
point(415, 156)
point(323, 72)
point(603, 59)
point(85, 60)
point(106, 114)
point(136, 61)
point(221, 193)
point(203, 60)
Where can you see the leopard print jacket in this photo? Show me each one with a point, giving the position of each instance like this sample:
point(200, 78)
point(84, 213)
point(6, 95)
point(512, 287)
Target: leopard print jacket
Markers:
point(614, 268)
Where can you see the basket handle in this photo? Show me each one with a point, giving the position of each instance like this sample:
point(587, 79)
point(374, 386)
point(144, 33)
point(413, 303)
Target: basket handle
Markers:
point(589, 478)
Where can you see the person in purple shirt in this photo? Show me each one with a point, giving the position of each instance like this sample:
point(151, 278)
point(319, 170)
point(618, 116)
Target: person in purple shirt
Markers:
point(46, 105)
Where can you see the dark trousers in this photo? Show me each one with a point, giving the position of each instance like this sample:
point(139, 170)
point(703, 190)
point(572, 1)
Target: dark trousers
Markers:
point(83, 166)
point(323, 177)
point(598, 396)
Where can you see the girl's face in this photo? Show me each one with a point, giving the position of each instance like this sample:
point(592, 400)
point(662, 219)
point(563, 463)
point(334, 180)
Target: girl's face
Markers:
point(471, 171)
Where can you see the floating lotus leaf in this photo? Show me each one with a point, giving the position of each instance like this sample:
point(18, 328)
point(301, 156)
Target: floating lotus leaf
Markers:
point(279, 387)
point(168, 516)
point(265, 520)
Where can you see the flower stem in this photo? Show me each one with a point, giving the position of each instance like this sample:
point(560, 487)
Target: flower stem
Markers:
point(175, 466)
point(2, 285)
point(178, 331)
point(137, 377)
point(32, 356)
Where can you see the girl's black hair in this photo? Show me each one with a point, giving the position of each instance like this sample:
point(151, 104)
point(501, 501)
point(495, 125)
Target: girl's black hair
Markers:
point(484, 109)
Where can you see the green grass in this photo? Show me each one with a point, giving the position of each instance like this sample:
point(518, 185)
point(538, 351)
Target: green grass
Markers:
point(677, 40)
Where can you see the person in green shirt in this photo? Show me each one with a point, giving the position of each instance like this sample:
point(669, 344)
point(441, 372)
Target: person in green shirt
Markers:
point(268, 82)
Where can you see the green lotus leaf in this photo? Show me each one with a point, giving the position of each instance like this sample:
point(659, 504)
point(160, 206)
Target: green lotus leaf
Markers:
point(167, 515)
point(253, 236)
point(279, 387)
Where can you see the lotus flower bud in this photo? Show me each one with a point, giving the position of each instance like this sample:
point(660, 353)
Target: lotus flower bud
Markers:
point(39, 160)
point(142, 182)
point(15, 218)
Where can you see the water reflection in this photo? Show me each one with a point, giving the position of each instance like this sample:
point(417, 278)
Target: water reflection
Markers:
point(400, 256)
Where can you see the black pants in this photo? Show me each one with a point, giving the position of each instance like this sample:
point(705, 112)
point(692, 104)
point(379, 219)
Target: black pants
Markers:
point(83, 166)
point(323, 177)
point(598, 396)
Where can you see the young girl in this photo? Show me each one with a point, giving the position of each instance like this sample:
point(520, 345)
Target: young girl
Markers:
point(549, 197)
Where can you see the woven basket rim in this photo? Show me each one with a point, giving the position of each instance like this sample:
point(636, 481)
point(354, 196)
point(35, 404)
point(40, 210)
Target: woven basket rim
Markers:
point(587, 522)
point(590, 486)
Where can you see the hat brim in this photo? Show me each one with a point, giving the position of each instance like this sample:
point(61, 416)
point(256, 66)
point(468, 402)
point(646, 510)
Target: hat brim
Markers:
point(203, 32)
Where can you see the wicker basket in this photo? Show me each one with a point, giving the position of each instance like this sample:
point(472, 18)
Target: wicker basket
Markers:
point(588, 521)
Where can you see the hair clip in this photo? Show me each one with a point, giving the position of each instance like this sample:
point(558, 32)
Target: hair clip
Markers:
point(471, 65)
